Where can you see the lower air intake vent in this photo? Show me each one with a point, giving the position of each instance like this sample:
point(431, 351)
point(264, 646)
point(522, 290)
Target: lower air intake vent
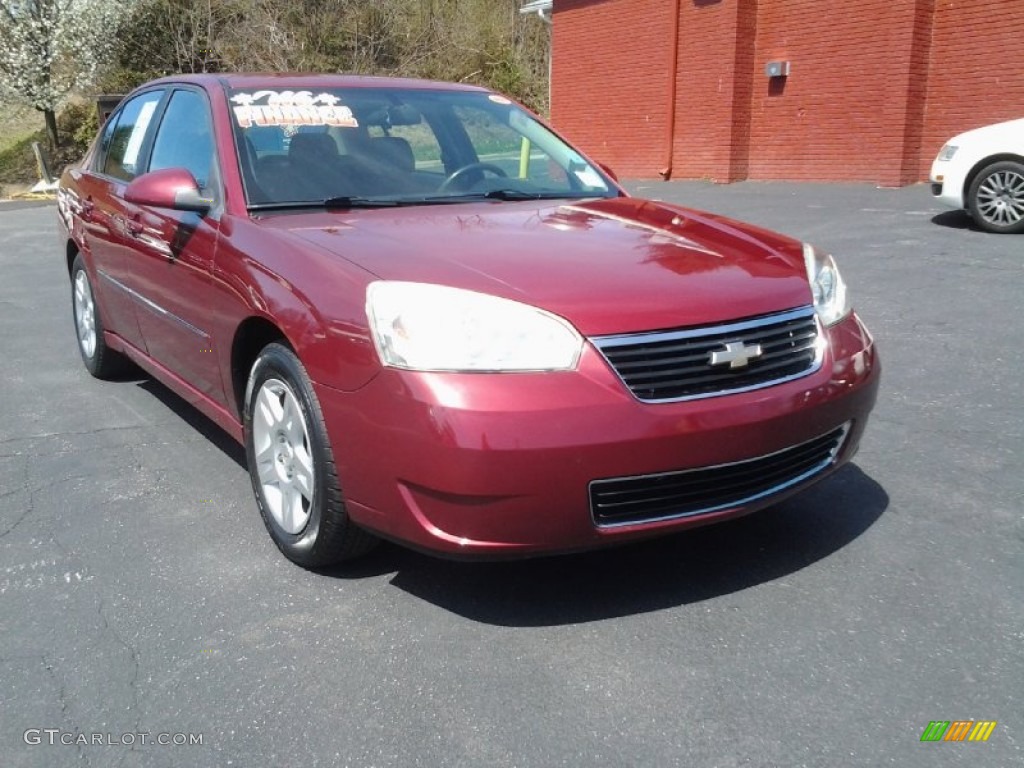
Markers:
point(647, 498)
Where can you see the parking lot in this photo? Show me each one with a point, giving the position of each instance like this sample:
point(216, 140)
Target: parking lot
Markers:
point(140, 593)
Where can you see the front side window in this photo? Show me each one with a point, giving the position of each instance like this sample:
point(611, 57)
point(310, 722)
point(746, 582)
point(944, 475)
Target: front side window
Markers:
point(400, 146)
point(185, 137)
point(506, 145)
point(122, 140)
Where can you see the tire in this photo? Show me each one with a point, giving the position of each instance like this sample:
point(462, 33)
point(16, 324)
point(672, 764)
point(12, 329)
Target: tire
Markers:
point(996, 198)
point(292, 466)
point(100, 360)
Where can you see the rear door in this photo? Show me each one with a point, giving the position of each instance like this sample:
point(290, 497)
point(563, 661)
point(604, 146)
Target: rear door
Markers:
point(101, 209)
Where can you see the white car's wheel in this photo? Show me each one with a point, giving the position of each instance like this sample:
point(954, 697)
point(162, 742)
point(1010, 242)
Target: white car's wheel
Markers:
point(996, 197)
point(292, 466)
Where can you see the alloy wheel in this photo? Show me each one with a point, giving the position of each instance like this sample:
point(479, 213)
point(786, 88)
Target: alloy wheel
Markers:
point(284, 460)
point(85, 314)
point(1001, 198)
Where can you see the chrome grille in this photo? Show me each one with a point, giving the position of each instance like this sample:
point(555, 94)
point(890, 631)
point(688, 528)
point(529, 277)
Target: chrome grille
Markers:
point(677, 365)
point(648, 498)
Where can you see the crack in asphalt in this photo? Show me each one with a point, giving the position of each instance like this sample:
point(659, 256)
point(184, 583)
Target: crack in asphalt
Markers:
point(64, 715)
point(72, 724)
point(32, 491)
point(201, 440)
point(5, 494)
point(46, 435)
point(29, 510)
point(133, 683)
point(30, 507)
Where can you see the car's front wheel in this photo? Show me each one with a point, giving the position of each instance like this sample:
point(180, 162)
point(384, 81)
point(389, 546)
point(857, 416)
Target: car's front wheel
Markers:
point(100, 360)
point(292, 465)
point(996, 197)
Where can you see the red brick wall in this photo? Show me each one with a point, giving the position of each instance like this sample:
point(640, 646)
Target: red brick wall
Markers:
point(712, 87)
point(976, 70)
point(704, 91)
point(840, 113)
point(875, 87)
point(610, 78)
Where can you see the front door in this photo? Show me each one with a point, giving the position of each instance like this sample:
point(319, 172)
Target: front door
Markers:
point(173, 252)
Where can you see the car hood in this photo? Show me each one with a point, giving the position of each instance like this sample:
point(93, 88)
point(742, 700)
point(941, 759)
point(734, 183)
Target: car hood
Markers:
point(997, 137)
point(608, 266)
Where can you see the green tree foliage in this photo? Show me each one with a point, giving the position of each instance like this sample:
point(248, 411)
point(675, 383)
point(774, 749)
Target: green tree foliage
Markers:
point(481, 41)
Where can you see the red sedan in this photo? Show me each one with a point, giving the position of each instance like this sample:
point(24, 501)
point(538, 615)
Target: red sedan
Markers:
point(428, 318)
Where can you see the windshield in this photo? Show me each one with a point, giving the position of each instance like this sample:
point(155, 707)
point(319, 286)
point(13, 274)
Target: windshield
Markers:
point(351, 146)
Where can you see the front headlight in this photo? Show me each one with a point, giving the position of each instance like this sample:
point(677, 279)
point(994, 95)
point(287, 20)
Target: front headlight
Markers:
point(426, 327)
point(830, 298)
point(947, 152)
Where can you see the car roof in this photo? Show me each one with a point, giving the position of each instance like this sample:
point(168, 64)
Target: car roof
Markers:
point(293, 81)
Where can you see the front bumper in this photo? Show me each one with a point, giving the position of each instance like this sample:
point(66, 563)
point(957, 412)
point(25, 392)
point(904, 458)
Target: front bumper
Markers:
point(501, 464)
point(947, 182)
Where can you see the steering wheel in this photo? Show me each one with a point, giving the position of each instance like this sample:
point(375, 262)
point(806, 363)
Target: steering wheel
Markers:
point(460, 173)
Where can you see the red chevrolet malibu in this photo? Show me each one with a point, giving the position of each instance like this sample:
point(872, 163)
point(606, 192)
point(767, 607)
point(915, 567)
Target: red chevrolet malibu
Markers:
point(428, 318)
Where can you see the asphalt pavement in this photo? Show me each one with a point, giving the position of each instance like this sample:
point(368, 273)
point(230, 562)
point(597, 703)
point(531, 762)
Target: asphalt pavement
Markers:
point(141, 599)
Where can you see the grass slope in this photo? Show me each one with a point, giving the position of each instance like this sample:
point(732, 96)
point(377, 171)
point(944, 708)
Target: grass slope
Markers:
point(19, 127)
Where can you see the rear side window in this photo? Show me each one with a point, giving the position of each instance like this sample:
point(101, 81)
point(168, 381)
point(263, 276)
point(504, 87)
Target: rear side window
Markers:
point(185, 137)
point(122, 143)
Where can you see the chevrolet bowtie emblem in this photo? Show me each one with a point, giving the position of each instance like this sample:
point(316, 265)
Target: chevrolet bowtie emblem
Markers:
point(736, 354)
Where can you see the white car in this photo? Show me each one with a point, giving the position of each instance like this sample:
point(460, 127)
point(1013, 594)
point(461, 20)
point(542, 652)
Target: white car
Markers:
point(983, 171)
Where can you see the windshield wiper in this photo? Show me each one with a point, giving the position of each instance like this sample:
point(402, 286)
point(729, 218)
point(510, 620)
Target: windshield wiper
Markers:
point(329, 203)
point(493, 194)
point(352, 201)
point(518, 194)
point(348, 202)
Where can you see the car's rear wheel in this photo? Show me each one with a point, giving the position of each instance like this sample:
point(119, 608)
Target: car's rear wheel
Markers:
point(996, 197)
point(100, 360)
point(292, 465)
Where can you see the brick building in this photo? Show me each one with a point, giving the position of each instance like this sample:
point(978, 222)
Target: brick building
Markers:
point(875, 87)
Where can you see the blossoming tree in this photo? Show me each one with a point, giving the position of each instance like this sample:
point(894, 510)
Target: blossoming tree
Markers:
point(49, 48)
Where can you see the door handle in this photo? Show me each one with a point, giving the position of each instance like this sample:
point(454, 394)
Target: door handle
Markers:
point(149, 238)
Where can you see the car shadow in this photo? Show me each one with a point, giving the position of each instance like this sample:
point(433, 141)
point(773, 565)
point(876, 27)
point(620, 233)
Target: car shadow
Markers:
point(684, 568)
point(956, 220)
point(193, 417)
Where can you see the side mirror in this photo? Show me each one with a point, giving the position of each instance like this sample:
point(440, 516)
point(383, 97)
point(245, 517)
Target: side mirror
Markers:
point(607, 169)
point(173, 188)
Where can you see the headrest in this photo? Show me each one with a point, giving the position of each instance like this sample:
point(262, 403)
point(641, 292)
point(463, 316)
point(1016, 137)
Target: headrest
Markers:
point(312, 147)
point(396, 152)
